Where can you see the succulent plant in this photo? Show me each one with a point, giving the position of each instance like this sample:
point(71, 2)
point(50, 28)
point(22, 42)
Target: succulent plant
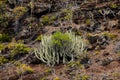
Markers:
point(60, 47)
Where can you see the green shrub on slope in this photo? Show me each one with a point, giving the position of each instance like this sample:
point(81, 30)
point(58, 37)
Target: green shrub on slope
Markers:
point(59, 47)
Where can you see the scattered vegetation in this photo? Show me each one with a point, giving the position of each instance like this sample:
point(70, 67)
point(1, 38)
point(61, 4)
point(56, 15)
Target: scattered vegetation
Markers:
point(84, 77)
point(110, 35)
point(2, 47)
point(88, 21)
point(56, 78)
point(19, 11)
point(47, 20)
point(18, 48)
point(4, 15)
point(5, 38)
point(24, 69)
point(114, 6)
point(2, 3)
point(3, 60)
point(116, 74)
point(75, 64)
point(4, 19)
point(48, 71)
point(25, 19)
point(68, 14)
point(97, 52)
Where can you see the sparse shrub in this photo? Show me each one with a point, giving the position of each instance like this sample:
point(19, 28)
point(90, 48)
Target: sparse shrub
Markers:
point(56, 78)
point(4, 15)
point(88, 21)
point(114, 6)
point(18, 48)
point(24, 69)
point(67, 15)
point(116, 74)
point(47, 20)
point(76, 64)
point(2, 3)
point(110, 35)
point(97, 52)
point(84, 77)
point(60, 47)
point(48, 71)
point(31, 5)
point(2, 47)
point(5, 38)
point(3, 60)
point(19, 11)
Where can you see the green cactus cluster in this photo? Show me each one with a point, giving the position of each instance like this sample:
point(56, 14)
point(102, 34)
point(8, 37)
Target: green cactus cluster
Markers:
point(60, 47)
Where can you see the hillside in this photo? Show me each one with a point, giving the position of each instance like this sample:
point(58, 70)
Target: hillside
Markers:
point(79, 39)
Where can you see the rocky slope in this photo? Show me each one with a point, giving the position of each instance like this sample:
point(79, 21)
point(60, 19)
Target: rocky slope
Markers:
point(22, 22)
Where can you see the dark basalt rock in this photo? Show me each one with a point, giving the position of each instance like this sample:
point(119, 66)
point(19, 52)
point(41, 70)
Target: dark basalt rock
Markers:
point(97, 41)
point(95, 28)
point(85, 60)
point(93, 39)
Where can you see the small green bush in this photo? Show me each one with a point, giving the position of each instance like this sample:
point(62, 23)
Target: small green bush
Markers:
point(5, 38)
point(84, 77)
point(60, 47)
point(56, 78)
point(110, 35)
point(68, 14)
point(3, 60)
point(2, 3)
point(47, 20)
point(18, 48)
point(2, 47)
point(19, 11)
point(4, 19)
point(114, 6)
point(24, 69)
point(4, 15)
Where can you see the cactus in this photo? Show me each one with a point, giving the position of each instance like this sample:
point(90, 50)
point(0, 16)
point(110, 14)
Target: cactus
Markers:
point(59, 46)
